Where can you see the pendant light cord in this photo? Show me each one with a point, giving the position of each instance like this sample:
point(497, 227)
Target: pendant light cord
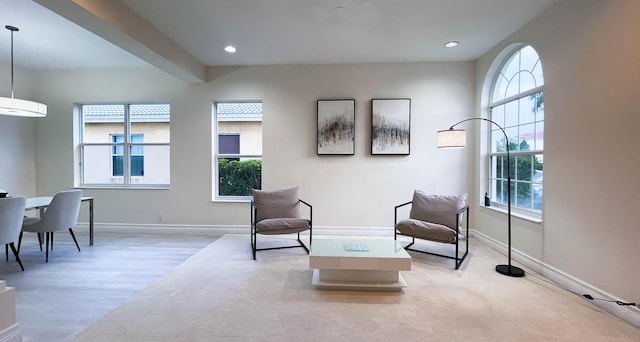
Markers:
point(12, 29)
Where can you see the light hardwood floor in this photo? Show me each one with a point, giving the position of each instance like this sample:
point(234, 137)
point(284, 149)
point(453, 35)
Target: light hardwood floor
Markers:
point(56, 300)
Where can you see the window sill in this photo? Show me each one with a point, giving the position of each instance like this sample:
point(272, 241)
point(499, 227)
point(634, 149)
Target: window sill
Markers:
point(522, 216)
point(123, 187)
point(231, 200)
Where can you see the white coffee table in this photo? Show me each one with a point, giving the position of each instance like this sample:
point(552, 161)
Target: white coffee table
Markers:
point(339, 264)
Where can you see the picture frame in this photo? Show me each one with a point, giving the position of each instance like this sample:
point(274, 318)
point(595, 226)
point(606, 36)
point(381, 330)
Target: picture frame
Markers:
point(391, 126)
point(336, 127)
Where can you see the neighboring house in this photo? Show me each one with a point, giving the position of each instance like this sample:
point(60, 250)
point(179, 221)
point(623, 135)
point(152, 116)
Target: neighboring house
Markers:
point(239, 128)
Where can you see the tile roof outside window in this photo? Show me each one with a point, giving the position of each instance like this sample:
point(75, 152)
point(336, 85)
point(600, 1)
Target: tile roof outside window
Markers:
point(115, 113)
point(230, 111)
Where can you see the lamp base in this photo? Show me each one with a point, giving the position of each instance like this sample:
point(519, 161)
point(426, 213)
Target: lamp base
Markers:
point(509, 270)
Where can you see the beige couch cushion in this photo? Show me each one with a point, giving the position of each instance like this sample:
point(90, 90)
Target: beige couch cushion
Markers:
point(439, 209)
point(276, 203)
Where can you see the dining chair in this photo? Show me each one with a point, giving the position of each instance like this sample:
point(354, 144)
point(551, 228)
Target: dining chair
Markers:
point(11, 217)
point(61, 214)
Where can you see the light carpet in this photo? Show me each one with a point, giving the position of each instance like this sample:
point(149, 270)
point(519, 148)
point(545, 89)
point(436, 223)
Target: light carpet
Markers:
point(221, 294)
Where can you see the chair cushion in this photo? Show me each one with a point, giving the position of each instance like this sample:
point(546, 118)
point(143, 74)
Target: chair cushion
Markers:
point(440, 209)
point(426, 230)
point(276, 203)
point(282, 225)
point(29, 224)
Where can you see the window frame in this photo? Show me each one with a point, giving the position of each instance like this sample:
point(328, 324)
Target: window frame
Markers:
point(126, 148)
point(237, 156)
point(492, 179)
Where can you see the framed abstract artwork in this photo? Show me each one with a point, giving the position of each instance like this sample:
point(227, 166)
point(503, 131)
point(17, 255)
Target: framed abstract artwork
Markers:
point(336, 127)
point(390, 126)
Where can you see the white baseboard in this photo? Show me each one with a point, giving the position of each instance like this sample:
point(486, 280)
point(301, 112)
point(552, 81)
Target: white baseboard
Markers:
point(629, 314)
point(226, 229)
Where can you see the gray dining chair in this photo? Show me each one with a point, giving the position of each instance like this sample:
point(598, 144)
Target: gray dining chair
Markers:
point(11, 217)
point(61, 214)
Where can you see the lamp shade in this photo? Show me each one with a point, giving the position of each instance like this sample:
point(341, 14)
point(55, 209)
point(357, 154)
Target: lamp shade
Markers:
point(18, 107)
point(452, 138)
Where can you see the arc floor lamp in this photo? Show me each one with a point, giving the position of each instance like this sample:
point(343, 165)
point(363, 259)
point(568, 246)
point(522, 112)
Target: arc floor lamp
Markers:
point(458, 138)
point(18, 107)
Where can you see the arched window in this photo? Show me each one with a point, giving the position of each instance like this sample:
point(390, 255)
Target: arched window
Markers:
point(517, 105)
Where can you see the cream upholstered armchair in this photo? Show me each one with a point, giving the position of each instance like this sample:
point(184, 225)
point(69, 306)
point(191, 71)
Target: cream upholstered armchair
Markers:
point(436, 218)
point(278, 212)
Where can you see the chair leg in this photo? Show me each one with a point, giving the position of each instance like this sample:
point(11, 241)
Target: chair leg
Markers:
point(19, 241)
point(74, 239)
point(51, 241)
point(46, 257)
point(15, 252)
point(6, 251)
point(40, 240)
point(254, 241)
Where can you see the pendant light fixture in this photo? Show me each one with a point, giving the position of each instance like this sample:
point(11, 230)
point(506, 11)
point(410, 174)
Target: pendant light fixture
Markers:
point(18, 107)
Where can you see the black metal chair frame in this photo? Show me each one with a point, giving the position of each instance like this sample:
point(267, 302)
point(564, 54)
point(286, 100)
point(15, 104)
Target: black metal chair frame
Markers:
point(457, 258)
point(254, 232)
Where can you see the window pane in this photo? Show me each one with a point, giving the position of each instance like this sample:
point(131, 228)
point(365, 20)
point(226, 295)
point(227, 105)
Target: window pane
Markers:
point(528, 61)
point(524, 168)
point(523, 195)
point(527, 110)
point(101, 122)
point(150, 121)
point(499, 166)
point(539, 106)
point(511, 114)
point(237, 178)
point(98, 165)
point(153, 167)
point(510, 72)
point(526, 137)
point(497, 115)
point(512, 133)
point(537, 74)
point(537, 183)
point(500, 88)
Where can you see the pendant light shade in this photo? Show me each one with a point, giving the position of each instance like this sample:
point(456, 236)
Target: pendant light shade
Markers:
point(18, 107)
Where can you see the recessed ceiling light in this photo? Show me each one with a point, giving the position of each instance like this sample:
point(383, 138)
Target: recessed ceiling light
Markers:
point(340, 10)
point(451, 44)
point(230, 49)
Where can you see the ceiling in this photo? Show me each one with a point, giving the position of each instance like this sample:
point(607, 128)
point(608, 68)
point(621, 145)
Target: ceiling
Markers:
point(184, 37)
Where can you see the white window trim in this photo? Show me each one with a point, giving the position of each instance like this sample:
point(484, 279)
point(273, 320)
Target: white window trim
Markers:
point(214, 148)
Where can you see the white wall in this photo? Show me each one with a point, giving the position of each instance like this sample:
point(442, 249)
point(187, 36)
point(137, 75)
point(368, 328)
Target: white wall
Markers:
point(346, 191)
point(590, 52)
point(17, 137)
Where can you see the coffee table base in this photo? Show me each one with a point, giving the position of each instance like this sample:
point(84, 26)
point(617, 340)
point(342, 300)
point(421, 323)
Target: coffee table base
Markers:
point(362, 280)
